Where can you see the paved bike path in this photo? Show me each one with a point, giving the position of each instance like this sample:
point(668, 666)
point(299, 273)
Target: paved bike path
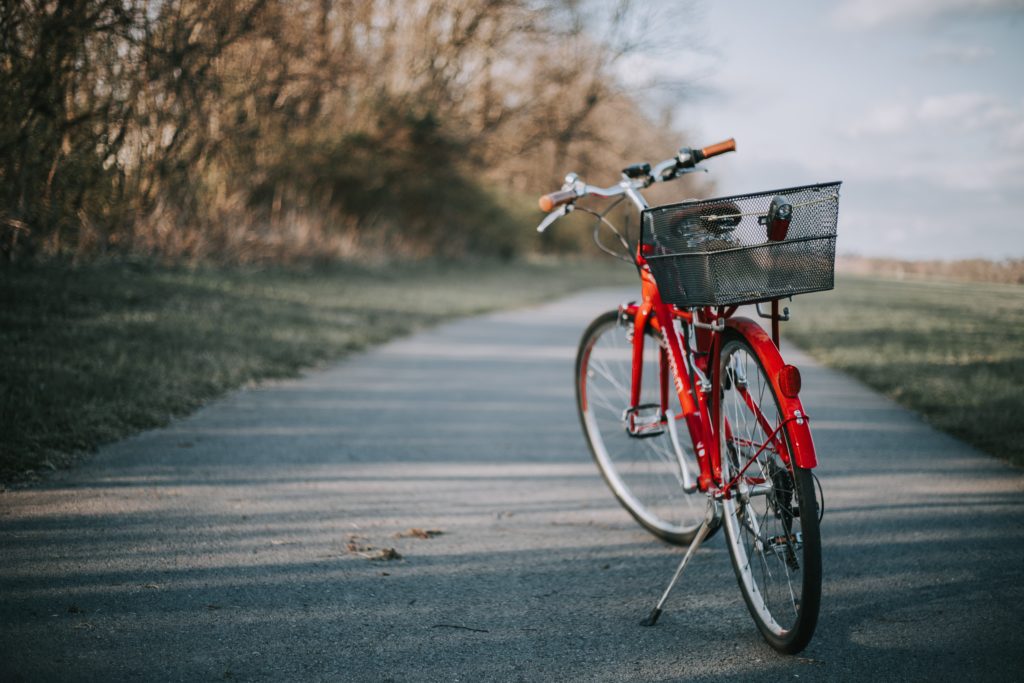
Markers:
point(237, 543)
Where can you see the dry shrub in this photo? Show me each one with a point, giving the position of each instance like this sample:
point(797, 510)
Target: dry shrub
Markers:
point(283, 130)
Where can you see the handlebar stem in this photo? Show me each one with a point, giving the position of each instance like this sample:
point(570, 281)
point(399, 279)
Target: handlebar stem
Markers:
point(634, 196)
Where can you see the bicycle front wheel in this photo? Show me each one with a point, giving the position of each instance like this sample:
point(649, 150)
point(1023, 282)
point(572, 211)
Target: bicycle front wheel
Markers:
point(640, 465)
point(771, 516)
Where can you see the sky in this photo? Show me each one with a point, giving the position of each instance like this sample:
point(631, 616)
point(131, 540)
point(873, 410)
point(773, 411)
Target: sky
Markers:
point(916, 105)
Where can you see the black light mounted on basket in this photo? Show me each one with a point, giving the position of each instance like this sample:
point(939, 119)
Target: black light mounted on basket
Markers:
point(780, 213)
point(704, 223)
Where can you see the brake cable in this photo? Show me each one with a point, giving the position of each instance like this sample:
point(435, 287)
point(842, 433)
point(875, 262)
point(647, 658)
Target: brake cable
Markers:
point(601, 220)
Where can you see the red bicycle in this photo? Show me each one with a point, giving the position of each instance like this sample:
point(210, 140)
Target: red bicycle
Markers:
point(748, 461)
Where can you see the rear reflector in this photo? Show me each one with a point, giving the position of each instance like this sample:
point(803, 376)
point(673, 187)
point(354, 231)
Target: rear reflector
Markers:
point(789, 381)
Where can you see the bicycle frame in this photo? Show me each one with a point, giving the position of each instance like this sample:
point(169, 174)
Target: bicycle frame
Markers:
point(700, 417)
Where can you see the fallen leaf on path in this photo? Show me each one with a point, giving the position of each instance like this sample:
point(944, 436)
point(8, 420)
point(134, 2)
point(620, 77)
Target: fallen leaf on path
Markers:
point(419, 533)
point(370, 553)
point(355, 544)
point(386, 555)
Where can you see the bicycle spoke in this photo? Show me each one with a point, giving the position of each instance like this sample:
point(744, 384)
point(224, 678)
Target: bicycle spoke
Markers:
point(605, 401)
point(610, 378)
point(642, 469)
point(764, 524)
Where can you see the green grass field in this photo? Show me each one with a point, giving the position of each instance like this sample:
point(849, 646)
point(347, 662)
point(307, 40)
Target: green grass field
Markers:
point(953, 352)
point(94, 353)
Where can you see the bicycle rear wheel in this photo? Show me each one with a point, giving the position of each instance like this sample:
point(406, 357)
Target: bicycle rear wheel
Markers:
point(771, 516)
point(641, 468)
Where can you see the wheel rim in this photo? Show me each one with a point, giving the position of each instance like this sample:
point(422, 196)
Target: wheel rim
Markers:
point(762, 520)
point(643, 473)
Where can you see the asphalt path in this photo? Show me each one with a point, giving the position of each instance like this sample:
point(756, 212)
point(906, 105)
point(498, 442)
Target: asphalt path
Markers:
point(257, 539)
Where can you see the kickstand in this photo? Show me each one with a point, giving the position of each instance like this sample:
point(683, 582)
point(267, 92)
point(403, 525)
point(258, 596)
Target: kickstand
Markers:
point(710, 519)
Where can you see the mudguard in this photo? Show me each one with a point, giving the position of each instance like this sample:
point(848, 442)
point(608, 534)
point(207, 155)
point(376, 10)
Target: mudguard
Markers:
point(797, 427)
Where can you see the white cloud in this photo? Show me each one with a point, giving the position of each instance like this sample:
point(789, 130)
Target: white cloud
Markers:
point(969, 110)
point(1015, 136)
point(953, 53)
point(874, 13)
point(943, 168)
point(883, 119)
point(994, 174)
point(959, 112)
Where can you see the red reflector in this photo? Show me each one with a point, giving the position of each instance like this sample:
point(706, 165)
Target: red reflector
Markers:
point(777, 229)
point(789, 381)
point(646, 249)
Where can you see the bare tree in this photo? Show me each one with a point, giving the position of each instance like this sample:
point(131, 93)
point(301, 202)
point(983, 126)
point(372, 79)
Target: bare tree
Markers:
point(248, 129)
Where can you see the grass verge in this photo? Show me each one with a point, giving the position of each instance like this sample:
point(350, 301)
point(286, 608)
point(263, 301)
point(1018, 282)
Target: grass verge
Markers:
point(94, 353)
point(954, 352)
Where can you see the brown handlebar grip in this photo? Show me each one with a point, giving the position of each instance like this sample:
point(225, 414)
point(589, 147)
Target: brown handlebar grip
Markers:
point(550, 201)
point(719, 148)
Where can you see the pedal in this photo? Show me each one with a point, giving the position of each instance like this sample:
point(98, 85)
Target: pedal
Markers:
point(645, 421)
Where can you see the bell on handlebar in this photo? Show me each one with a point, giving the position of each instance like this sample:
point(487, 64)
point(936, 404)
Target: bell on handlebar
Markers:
point(685, 158)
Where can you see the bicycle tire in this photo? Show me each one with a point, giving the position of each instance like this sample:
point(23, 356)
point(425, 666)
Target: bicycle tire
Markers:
point(771, 517)
point(642, 473)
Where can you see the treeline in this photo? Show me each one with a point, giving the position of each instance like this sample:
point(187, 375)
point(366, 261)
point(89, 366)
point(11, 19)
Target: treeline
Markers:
point(1007, 271)
point(252, 130)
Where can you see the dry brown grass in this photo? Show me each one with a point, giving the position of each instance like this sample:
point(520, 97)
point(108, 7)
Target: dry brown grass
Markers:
point(1007, 271)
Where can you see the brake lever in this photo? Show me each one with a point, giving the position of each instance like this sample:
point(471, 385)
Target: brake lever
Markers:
point(554, 216)
point(671, 169)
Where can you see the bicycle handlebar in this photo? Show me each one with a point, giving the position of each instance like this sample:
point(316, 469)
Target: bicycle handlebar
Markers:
point(549, 201)
point(669, 169)
point(715, 149)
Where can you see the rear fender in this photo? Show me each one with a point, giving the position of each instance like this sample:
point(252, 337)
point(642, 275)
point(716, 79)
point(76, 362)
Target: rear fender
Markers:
point(797, 427)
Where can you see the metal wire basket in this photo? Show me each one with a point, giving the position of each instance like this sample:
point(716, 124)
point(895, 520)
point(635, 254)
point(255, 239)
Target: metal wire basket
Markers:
point(743, 249)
